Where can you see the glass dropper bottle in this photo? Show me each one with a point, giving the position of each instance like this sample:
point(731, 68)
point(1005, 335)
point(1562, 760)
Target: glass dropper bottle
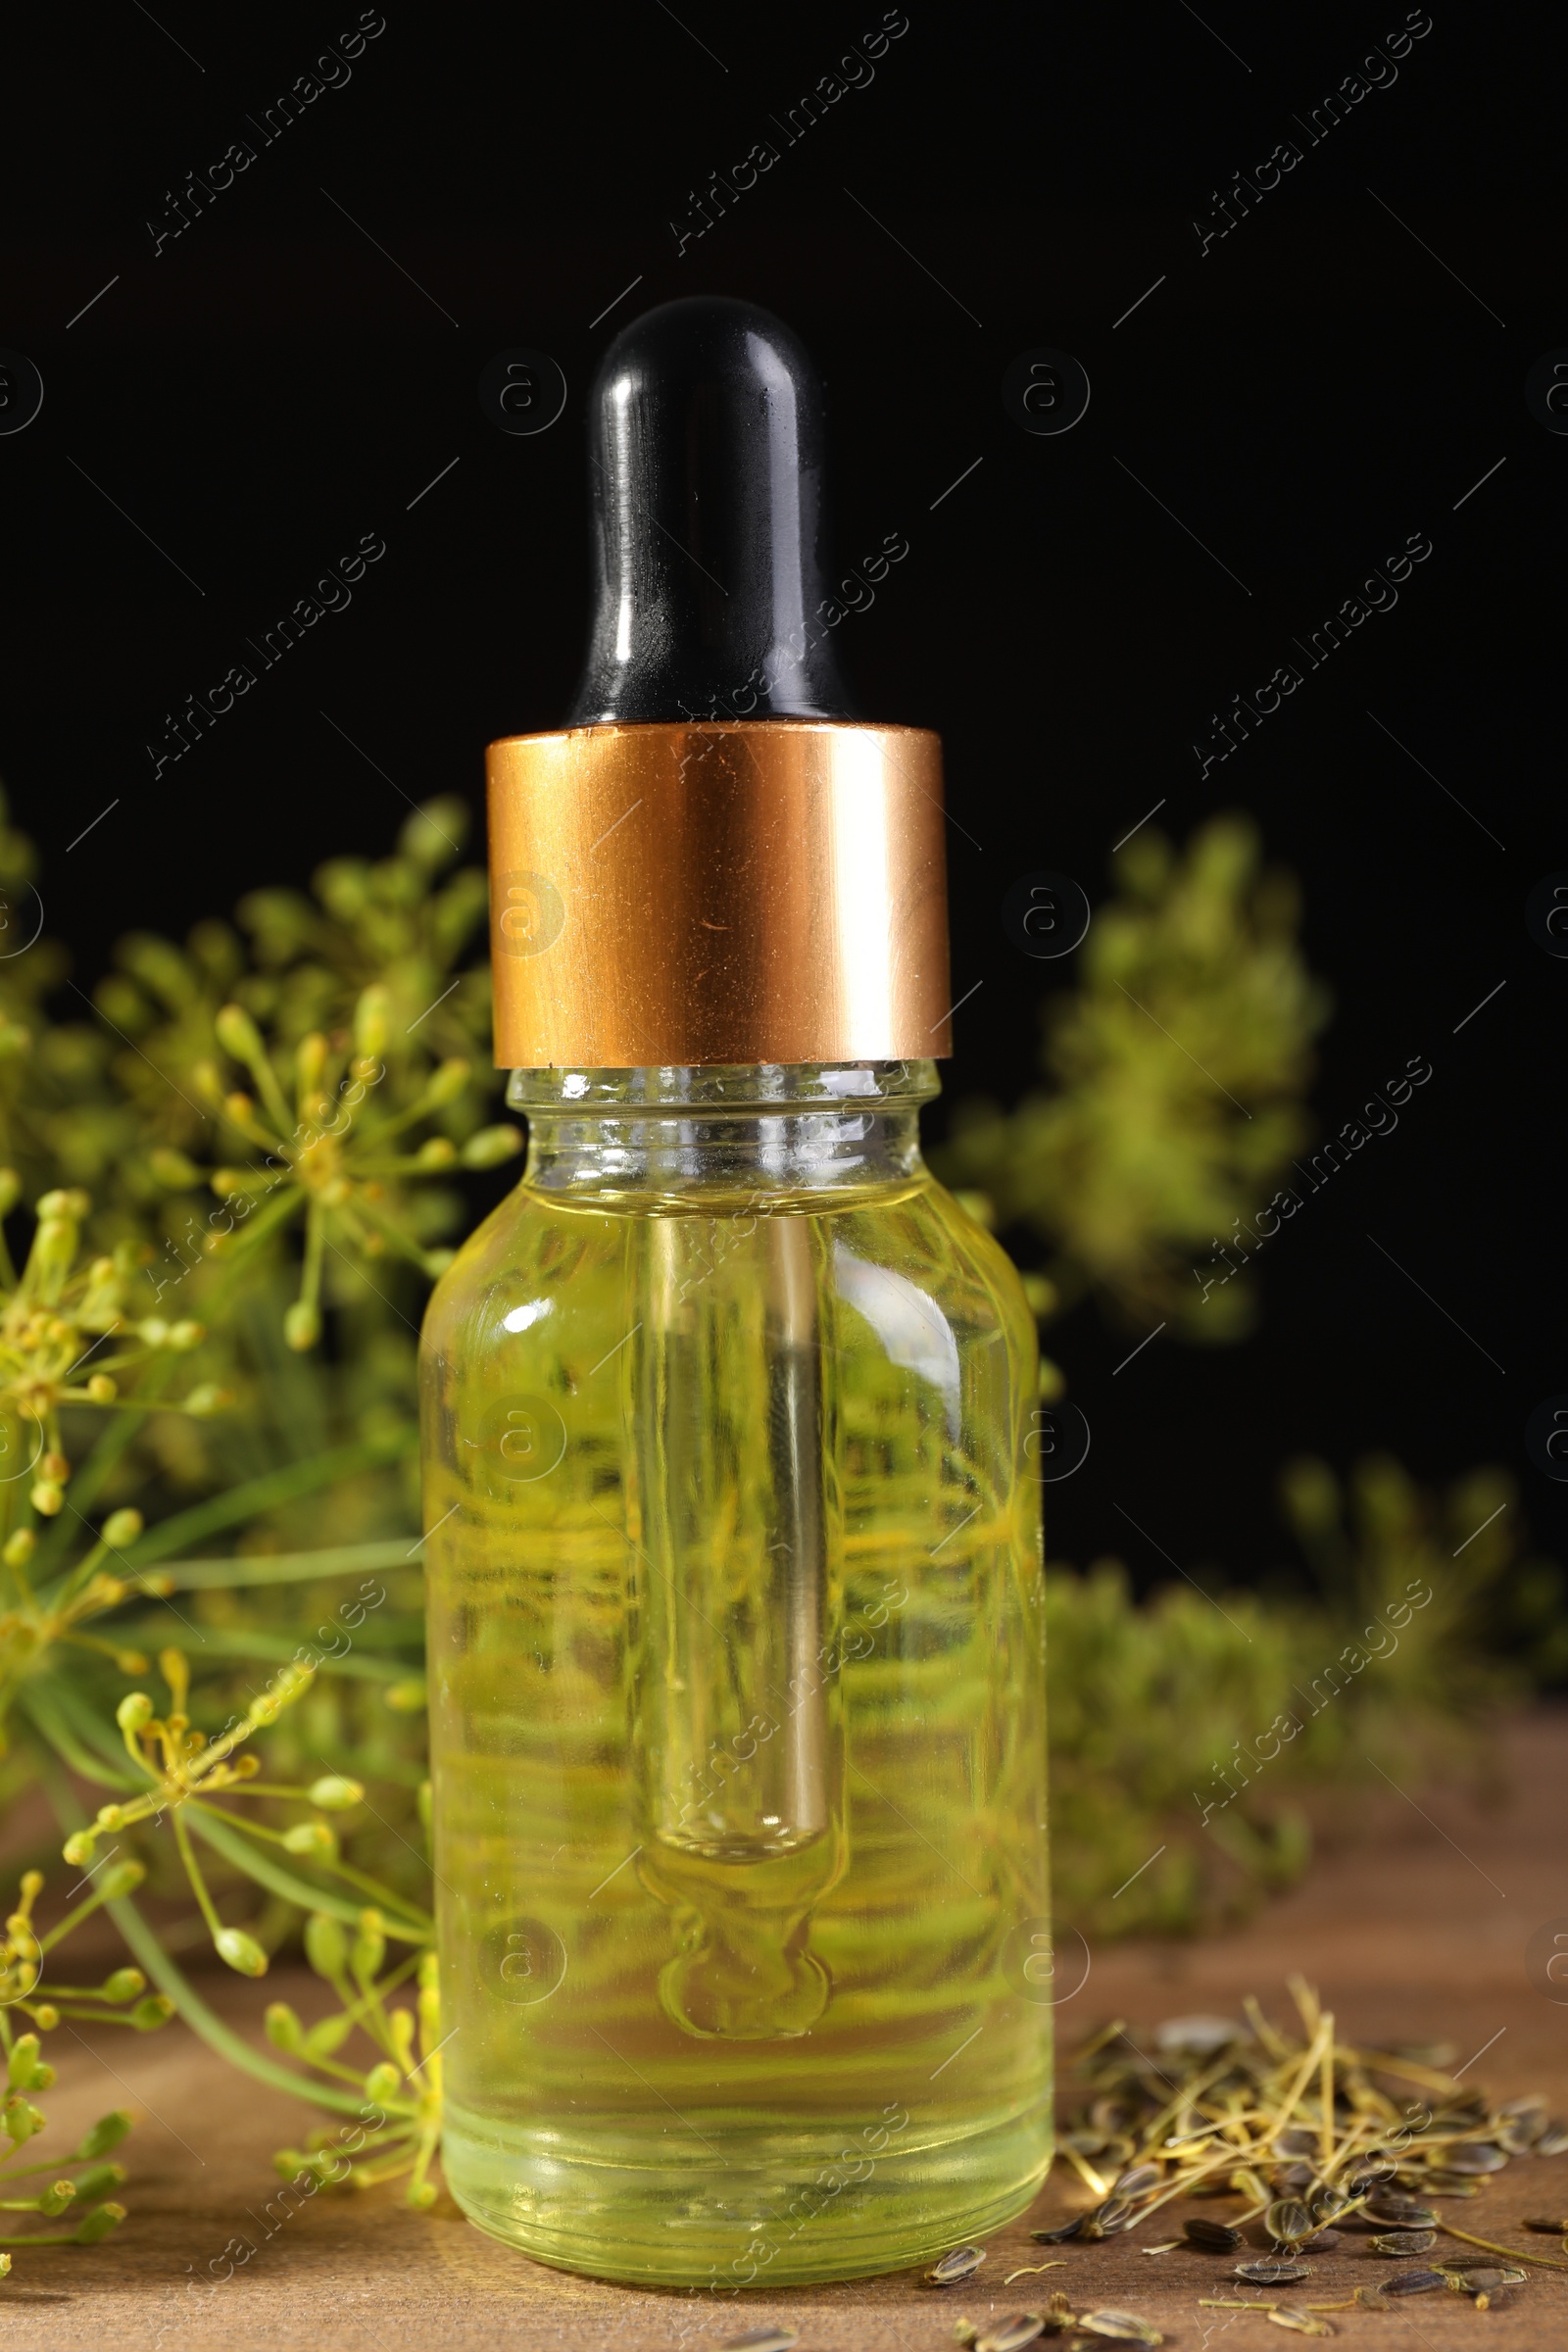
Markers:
point(734, 1566)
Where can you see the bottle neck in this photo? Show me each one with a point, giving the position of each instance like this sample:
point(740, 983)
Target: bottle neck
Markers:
point(745, 1131)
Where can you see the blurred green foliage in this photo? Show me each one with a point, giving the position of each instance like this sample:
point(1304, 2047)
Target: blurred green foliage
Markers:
point(1177, 1070)
point(237, 1150)
point(1179, 1064)
point(1195, 1725)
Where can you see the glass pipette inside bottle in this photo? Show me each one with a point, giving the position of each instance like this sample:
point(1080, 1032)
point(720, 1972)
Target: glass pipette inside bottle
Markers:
point(738, 1730)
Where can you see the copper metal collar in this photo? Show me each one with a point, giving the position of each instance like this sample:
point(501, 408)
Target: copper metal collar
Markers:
point(748, 891)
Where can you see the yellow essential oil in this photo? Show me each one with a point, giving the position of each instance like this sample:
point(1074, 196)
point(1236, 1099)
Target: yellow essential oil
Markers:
point(737, 1676)
point(737, 1691)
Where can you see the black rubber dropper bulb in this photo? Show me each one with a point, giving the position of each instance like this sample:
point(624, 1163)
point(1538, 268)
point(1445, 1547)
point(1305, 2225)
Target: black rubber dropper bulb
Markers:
point(705, 475)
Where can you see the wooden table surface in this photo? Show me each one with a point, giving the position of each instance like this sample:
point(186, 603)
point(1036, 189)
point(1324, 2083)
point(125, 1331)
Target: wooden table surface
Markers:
point(1417, 1932)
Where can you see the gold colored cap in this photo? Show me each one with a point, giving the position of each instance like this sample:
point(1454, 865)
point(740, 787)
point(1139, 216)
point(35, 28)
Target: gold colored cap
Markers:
point(742, 890)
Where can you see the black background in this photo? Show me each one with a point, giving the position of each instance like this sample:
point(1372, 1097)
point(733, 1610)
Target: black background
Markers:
point(282, 378)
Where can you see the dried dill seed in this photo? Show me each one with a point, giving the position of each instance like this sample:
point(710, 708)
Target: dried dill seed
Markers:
point(1288, 2221)
point(1134, 2181)
point(1414, 2283)
point(1519, 2123)
point(1116, 2213)
point(1293, 2126)
point(1011, 2334)
point(1405, 2211)
point(961, 2263)
point(1476, 2283)
point(1550, 2228)
point(1122, 2326)
point(762, 2340)
point(1301, 2323)
point(1214, 2238)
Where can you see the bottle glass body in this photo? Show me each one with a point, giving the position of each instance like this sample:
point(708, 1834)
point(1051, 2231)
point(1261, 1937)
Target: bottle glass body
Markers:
point(737, 1688)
